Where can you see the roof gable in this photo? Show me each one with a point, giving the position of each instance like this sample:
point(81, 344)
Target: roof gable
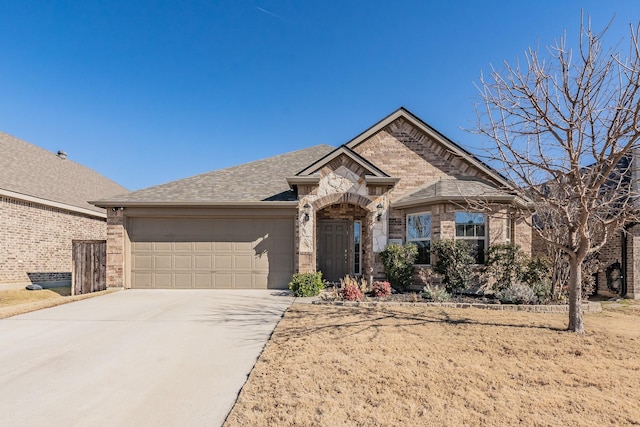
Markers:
point(37, 175)
point(343, 150)
point(403, 113)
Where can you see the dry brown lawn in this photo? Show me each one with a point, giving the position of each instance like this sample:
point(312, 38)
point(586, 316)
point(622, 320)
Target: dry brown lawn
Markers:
point(415, 366)
point(20, 301)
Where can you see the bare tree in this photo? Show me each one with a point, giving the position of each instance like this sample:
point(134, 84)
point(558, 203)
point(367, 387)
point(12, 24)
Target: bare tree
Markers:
point(565, 123)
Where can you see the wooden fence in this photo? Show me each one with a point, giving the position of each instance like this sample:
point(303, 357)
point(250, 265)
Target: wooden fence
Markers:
point(89, 271)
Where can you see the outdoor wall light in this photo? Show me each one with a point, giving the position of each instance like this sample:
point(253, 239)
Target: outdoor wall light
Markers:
point(379, 209)
point(307, 211)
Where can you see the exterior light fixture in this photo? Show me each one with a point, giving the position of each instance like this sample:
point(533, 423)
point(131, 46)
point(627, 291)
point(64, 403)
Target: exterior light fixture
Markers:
point(307, 211)
point(379, 210)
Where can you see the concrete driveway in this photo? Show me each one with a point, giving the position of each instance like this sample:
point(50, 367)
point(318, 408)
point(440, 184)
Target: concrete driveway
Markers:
point(134, 358)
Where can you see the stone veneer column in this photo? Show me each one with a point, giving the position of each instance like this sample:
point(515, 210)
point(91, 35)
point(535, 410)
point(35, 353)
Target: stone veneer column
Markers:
point(306, 236)
point(115, 248)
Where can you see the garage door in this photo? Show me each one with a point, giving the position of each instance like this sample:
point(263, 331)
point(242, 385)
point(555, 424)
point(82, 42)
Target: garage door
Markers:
point(211, 252)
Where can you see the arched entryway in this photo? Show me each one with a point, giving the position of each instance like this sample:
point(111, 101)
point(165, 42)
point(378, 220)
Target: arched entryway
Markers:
point(341, 241)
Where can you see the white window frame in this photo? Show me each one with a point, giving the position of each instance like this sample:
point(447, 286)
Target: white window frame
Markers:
point(430, 239)
point(471, 238)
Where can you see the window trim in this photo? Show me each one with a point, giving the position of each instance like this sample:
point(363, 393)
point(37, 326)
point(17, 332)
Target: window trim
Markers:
point(472, 238)
point(359, 252)
point(430, 239)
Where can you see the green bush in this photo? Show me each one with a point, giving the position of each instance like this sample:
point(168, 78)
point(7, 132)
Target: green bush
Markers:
point(508, 267)
point(306, 284)
point(398, 261)
point(505, 264)
point(454, 261)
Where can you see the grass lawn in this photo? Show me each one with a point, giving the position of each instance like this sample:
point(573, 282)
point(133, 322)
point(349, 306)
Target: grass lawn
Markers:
point(19, 301)
point(429, 366)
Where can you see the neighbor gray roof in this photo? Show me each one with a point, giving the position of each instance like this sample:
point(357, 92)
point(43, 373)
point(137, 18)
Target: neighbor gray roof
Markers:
point(258, 181)
point(28, 170)
point(449, 189)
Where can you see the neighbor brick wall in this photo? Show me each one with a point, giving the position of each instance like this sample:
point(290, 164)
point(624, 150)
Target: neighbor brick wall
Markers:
point(609, 254)
point(35, 240)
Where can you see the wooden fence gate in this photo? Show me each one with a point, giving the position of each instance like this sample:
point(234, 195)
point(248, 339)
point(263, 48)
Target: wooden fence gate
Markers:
point(89, 271)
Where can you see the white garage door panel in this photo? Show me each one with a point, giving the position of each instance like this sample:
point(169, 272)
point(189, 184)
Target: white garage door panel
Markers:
point(211, 253)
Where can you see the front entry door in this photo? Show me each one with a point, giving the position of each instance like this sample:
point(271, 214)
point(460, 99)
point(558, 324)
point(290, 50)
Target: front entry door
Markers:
point(333, 250)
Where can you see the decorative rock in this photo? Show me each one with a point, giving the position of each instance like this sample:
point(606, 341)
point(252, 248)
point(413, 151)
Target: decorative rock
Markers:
point(34, 287)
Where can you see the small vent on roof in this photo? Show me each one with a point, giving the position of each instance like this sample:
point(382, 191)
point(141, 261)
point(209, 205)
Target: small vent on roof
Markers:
point(62, 154)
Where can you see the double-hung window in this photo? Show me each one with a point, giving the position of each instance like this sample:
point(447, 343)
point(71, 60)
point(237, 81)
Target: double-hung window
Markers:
point(419, 232)
point(471, 227)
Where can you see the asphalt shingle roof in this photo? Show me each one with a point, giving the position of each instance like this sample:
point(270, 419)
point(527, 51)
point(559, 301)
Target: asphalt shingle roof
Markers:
point(452, 189)
point(34, 171)
point(261, 180)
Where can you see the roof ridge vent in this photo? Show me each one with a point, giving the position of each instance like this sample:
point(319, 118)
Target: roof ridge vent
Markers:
point(62, 154)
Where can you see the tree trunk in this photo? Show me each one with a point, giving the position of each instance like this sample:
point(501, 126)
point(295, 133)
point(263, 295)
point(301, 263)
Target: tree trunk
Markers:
point(575, 296)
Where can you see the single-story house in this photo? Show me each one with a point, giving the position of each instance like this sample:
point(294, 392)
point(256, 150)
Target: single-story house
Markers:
point(43, 207)
point(319, 208)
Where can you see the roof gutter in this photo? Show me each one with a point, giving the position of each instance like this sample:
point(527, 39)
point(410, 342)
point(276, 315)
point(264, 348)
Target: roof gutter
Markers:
point(444, 199)
point(191, 204)
point(51, 203)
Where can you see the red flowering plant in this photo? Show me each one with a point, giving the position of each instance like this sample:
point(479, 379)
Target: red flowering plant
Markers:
point(381, 289)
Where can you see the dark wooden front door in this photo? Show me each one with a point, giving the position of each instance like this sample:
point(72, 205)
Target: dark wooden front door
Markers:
point(333, 250)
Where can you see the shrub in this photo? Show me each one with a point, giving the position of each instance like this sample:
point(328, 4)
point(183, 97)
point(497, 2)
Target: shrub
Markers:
point(517, 293)
point(352, 293)
point(505, 264)
point(359, 283)
point(435, 294)
point(398, 263)
point(542, 290)
point(455, 262)
point(306, 284)
point(381, 289)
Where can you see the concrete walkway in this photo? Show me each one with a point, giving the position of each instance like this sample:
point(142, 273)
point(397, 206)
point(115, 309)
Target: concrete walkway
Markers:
point(134, 358)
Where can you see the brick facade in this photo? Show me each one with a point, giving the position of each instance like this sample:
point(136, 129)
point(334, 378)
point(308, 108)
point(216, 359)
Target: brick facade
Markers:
point(401, 151)
point(116, 268)
point(35, 240)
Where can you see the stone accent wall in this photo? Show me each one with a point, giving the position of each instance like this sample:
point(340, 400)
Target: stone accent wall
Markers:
point(341, 191)
point(35, 240)
point(115, 249)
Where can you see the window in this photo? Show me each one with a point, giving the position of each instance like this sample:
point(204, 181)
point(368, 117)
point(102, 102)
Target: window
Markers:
point(357, 252)
point(419, 232)
point(509, 231)
point(470, 226)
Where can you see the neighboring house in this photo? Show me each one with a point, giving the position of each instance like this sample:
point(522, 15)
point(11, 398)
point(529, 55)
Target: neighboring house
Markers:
point(43, 207)
point(618, 273)
point(320, 208)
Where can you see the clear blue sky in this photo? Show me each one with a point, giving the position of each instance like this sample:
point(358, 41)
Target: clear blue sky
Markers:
point(146, 92)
